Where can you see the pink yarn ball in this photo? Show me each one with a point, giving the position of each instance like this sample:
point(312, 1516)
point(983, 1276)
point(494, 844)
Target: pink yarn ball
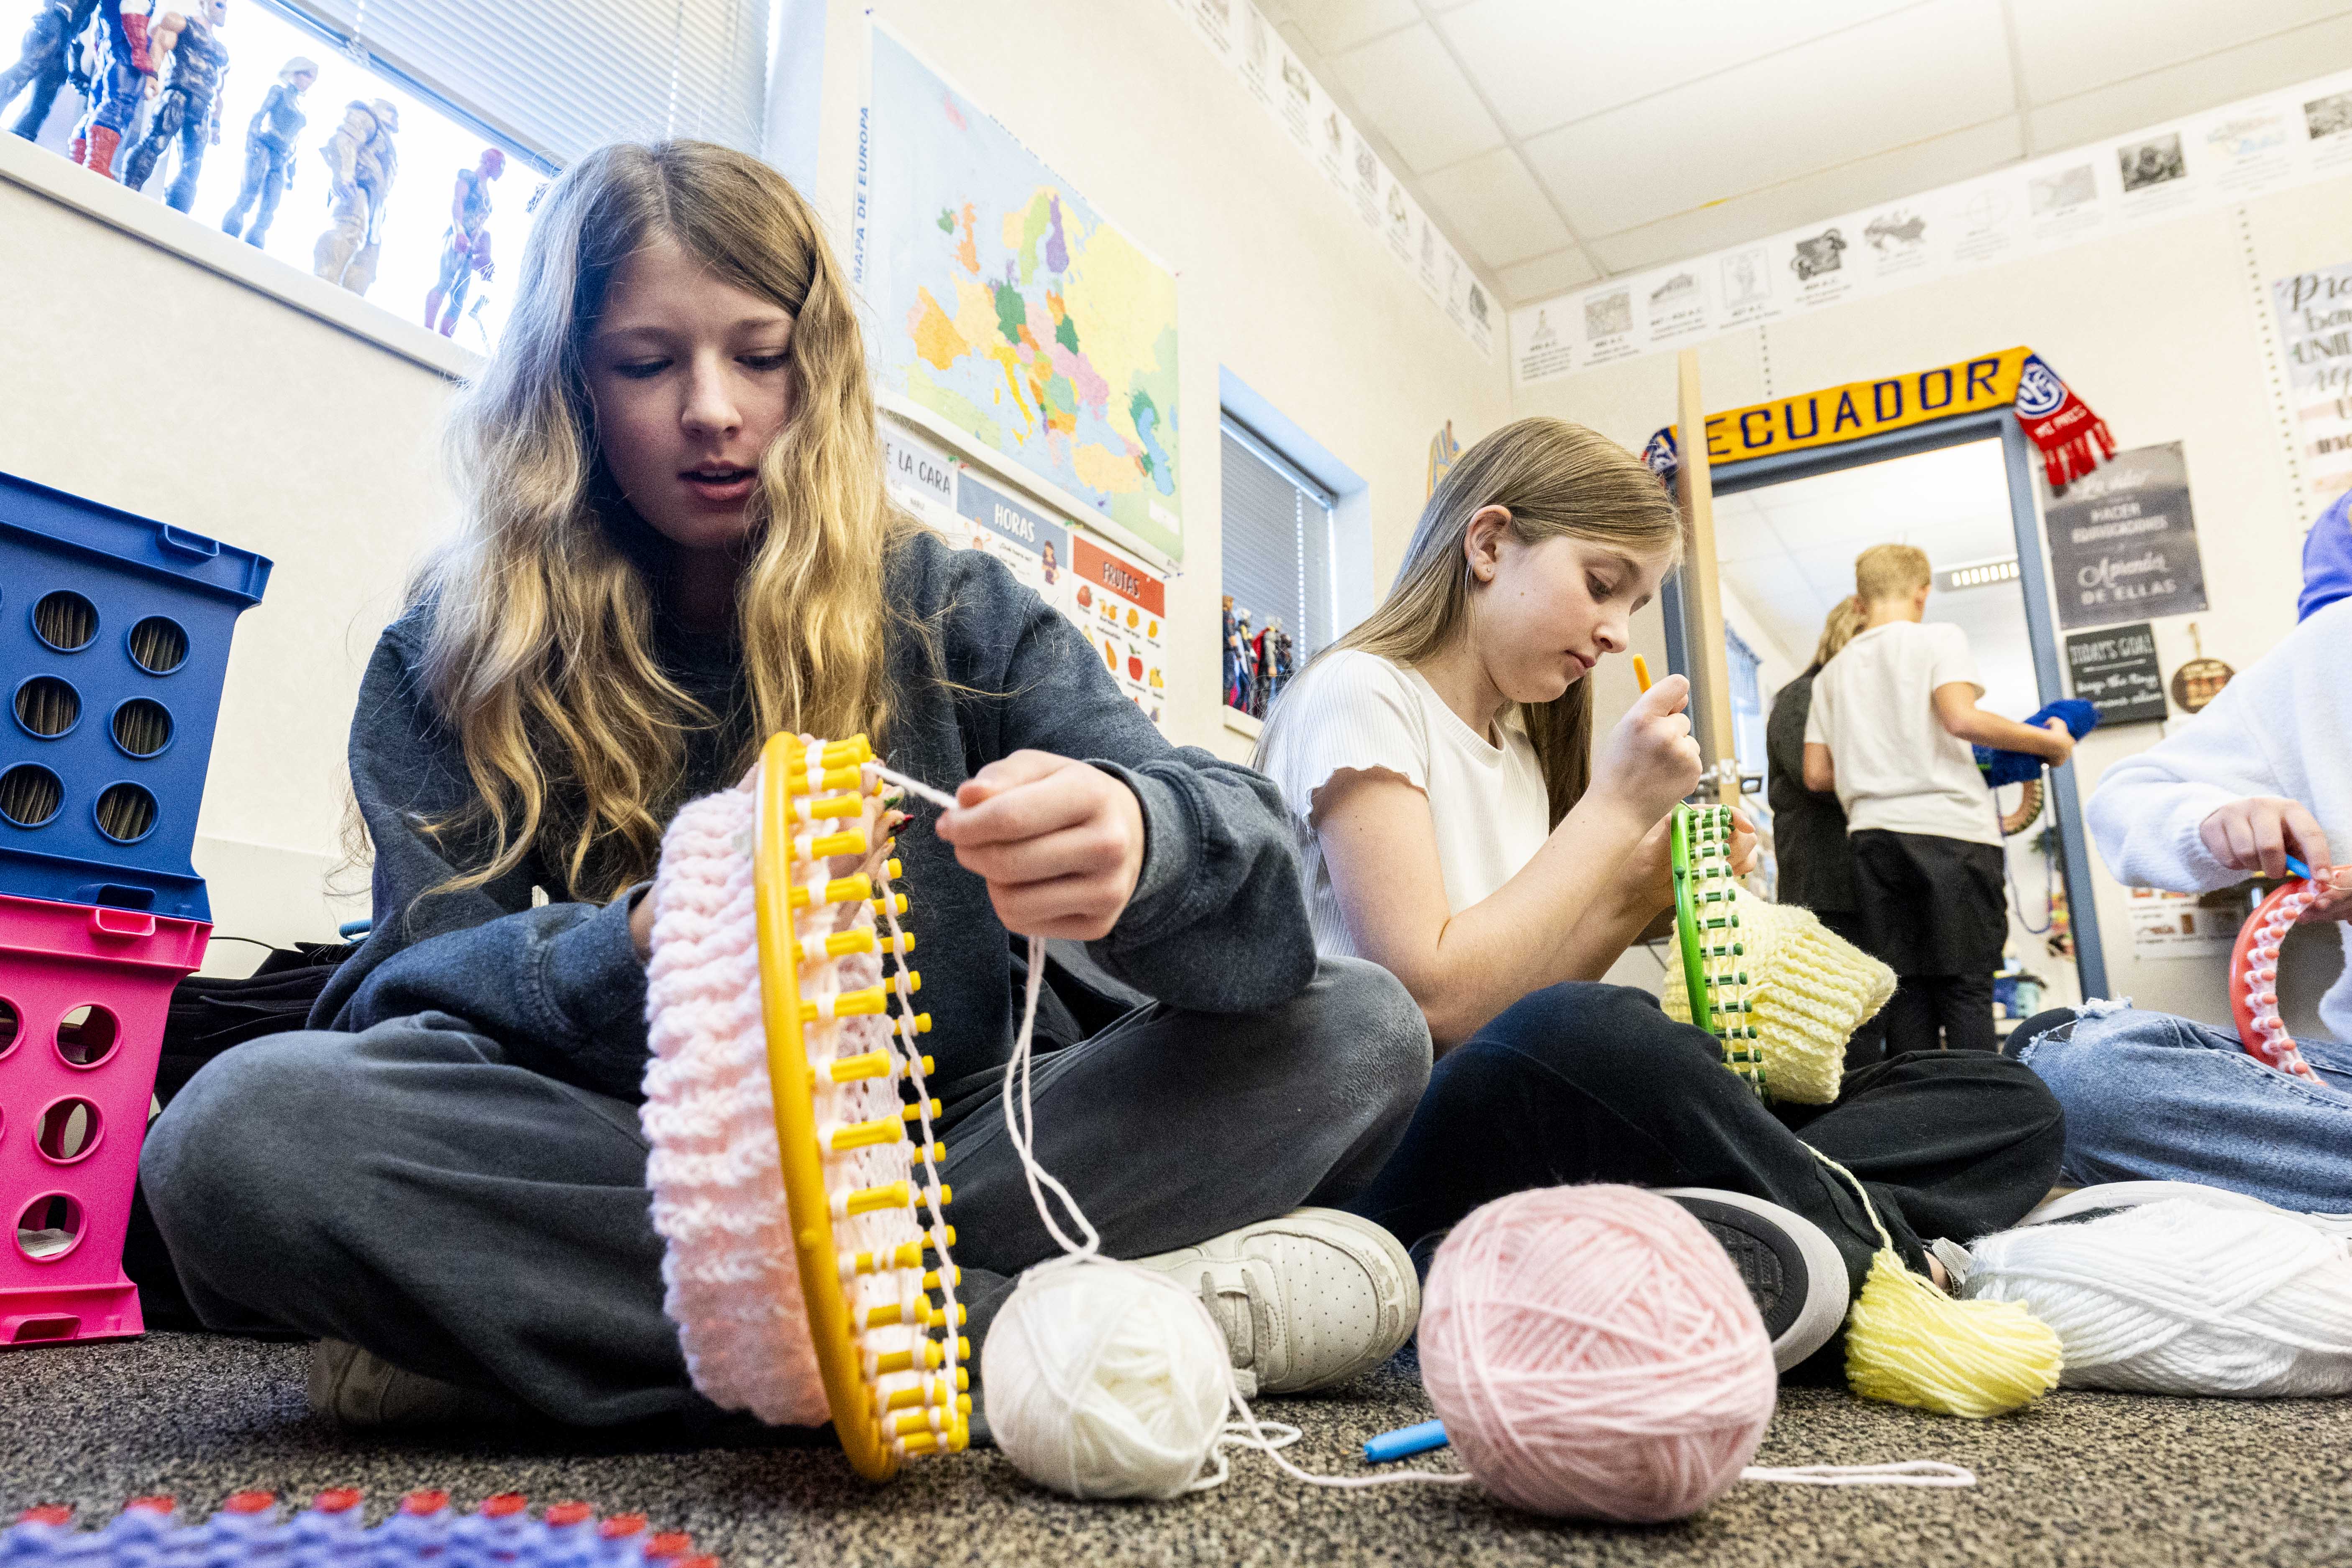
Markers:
point(1594, 1355)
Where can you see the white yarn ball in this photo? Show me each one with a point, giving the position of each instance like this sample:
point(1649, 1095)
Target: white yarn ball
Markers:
point(1105, 1380)
point(2181, 1298)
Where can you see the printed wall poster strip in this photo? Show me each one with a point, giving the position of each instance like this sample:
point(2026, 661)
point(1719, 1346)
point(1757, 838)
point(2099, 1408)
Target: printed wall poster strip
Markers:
point(2315, 317)
point(2276, 141)
point(1240, 36)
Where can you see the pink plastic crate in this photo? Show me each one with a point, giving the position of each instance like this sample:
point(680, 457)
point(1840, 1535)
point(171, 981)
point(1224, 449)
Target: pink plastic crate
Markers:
point(83, 992)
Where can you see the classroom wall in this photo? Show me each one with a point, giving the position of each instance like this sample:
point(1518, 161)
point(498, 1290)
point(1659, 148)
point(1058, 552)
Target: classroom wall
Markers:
point(138, 379)
point(1277, 279)
point(2161, 332)
point(142, 379)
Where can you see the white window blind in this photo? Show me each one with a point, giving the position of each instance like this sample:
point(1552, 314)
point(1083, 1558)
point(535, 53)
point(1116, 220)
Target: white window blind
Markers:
point(1277, 543)
point(560, 76)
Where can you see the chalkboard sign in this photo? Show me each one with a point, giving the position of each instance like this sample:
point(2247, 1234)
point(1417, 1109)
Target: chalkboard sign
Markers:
point(2114, 671)
point(2123, 540)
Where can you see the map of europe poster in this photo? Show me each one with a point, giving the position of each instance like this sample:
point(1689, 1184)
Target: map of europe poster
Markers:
point(1009, 309)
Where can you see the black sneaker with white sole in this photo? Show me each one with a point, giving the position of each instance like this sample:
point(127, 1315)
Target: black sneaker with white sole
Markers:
point(1793, 1270)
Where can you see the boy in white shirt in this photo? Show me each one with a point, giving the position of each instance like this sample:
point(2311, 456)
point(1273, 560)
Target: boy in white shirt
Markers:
point(1895, 715)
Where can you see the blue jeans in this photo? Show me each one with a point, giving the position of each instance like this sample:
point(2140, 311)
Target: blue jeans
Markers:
point(2149, 1097)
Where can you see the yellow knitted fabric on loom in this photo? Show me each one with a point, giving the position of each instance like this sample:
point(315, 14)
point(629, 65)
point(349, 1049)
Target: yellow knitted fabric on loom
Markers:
point(1810, 989)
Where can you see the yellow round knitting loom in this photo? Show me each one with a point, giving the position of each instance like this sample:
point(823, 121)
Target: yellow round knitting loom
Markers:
point(804, 788)
point(798, 1275)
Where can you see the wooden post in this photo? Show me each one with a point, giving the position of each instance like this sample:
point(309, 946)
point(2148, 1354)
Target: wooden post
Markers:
point(1710, 671)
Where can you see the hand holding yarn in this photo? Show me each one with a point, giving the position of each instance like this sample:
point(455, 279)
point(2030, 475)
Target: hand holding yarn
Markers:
point(1649, 760)
point(1060, 842)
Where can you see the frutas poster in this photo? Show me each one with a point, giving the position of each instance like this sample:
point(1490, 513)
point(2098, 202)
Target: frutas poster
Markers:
point(1123, 609)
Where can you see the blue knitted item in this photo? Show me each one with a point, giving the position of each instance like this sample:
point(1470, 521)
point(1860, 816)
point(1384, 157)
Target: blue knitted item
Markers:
point(2016, 768)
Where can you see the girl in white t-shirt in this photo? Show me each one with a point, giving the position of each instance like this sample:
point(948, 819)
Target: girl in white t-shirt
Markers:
point(1461, 827)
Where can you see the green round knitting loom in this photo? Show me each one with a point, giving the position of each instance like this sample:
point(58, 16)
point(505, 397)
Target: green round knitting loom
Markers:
point(1708, 930)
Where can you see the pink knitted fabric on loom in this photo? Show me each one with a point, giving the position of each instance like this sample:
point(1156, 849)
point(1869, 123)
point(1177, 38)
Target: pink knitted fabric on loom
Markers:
point(732, 1278)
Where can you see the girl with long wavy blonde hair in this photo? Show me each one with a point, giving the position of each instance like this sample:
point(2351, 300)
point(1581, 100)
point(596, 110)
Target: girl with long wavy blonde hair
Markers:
point(677, 541)
point(1463, 827)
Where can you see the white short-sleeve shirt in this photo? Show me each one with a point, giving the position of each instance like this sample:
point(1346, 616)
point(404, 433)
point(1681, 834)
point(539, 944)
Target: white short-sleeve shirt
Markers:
point(1356, 712)
point(1898, 767)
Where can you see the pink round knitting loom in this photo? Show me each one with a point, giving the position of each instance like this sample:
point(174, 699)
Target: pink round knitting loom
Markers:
point(804, 1242)
point(2253, 976)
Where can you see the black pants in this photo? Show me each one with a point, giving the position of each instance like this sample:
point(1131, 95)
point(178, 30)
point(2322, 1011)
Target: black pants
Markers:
point(412, 1191)
point(1594, 1083)
point(1941, 1012)
point(1936, 911)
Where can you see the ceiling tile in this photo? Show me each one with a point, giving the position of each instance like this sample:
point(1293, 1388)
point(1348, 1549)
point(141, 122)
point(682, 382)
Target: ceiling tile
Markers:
point(1919, 74)
point(1335, 24)
point(2207, 83)
point(2083, 44)
point(1407, 85)
point(1863, 182)
point(1497, 208)
point(1546, 276)
point(1543, 63)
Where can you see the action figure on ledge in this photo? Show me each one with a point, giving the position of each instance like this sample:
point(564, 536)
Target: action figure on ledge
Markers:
point(125, 77)
point(1240, 675)
point(269, 149)
point(46, 63)
point(1260, 652)
point(362, 164)
point(190, 106)
point(1278, 666)
point(465, 247)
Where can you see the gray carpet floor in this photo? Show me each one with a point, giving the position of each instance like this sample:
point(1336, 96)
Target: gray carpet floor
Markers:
point(2102, 1480)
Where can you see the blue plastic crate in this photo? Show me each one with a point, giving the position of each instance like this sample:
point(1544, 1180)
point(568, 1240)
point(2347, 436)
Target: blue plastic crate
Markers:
point(114, 634)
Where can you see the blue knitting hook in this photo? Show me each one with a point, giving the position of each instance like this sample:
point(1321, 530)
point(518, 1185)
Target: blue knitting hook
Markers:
point(1405, 1442)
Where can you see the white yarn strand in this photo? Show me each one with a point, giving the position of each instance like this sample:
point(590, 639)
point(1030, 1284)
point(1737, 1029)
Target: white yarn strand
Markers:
point(1905, 1473)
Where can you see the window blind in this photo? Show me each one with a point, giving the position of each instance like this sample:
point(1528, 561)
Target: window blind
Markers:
point(1277, 561)
point(560, 76)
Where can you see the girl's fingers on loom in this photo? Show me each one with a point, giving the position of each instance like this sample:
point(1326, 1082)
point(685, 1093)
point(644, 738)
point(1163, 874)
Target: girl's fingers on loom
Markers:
point(2309, 839)
point(2334, 905)
point(1743, 844)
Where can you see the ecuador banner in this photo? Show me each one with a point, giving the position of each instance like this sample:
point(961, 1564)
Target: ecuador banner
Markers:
point(2060, 425)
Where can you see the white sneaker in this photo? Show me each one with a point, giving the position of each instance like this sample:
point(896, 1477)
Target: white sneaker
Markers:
point(1305, 1301)
point(2108, 1196)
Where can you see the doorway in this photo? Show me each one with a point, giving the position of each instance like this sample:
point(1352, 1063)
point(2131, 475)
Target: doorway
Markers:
point(1787, 532)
